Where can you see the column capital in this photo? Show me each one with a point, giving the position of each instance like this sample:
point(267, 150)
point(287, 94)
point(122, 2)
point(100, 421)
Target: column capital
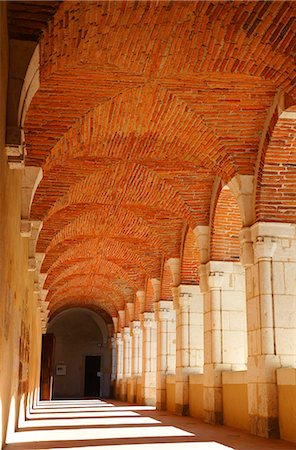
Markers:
point(119, 339)
point(148, 320)
point(274, 239)
point(164, 310)
point(211, 275)
point(135, 327)
point(215, 280)
point(185, 299)
point(264, 247)
point(126, 333)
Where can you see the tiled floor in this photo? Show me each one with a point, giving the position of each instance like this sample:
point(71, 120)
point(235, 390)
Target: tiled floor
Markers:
point(94, 424)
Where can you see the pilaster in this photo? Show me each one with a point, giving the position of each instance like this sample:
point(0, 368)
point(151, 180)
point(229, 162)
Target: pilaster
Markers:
point(148, 325)
point(188, 303)
point(119, 364)
point(127, 361)
point(166, 348)
point(136, 336)
point(224, 330)
point(271, 306)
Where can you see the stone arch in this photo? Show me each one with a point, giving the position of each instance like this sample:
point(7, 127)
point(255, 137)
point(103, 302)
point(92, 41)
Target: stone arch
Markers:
point(86, 302)
point(79, 332)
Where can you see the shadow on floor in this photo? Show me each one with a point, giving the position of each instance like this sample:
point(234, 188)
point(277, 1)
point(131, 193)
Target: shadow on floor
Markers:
point(95, 424)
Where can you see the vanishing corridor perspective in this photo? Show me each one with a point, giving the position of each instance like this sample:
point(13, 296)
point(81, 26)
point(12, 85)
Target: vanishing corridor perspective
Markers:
point(147, 210)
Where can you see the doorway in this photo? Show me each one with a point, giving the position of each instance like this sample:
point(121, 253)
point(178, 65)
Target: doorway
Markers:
point(92, 378)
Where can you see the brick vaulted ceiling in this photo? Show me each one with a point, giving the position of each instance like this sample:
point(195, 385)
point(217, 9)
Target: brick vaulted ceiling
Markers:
point(141, 106)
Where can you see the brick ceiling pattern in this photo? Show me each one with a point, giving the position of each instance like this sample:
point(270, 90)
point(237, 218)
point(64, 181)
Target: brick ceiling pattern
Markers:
point(141, 106)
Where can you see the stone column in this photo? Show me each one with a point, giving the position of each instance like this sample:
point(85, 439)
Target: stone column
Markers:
point(149, 358)
point(188, 302)
point(136, 334)
point(269, 254)
point(119, 364)
point(127, 361)
point(166, 348)
point(113, 365)
point(224, 330)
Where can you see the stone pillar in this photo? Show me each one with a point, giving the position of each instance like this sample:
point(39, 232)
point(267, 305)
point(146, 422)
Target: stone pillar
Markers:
point(269, 254)
point(166, 348)
point(149, 358)
point(224, 330)
point(127, 361)
point(188, 302)
point(119, 364)
point(136, 334)
point(113, 365)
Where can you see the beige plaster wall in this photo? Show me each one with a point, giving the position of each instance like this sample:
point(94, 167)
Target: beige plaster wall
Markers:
point(4, 399)
point(235, 399)
point(19, 320)
point(286, 380)
point(196, 395)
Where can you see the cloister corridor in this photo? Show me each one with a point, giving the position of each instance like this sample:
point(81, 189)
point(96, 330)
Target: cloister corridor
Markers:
point(147, 224)
point(104, 425)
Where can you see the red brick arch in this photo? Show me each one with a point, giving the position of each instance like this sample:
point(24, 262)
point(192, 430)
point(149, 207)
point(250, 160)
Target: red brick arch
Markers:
point(87, 287)
point(140, 107)
point(276, 183)
point(105, 254)
point(106, 310)
point(190, 260)
point(149, 296)
point(226, 225)
point(166, 283)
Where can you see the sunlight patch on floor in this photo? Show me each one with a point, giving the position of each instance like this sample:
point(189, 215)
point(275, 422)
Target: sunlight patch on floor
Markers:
point(158, 446)
point(96, 433)
point(82, 414)
point(89, 422)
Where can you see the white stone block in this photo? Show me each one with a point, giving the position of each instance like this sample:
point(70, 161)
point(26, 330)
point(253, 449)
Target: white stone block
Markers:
point(278, 277)
point(285, 341)
point(290, 278)
point(233, 301)
point(237, 320)
point(253, 314)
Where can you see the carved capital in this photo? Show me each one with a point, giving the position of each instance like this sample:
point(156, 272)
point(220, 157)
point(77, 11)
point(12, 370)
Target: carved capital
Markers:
point(148, 320)
point(264, 247)
point(215, 280)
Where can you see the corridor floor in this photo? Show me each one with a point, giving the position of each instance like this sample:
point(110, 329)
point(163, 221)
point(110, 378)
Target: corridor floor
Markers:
point(95, 424)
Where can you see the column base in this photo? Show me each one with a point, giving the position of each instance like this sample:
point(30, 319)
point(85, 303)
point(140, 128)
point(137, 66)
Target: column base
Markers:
point(214, 417)
point(149, 401)
point(267, 427)
point(182, 410)
point(161, 406)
